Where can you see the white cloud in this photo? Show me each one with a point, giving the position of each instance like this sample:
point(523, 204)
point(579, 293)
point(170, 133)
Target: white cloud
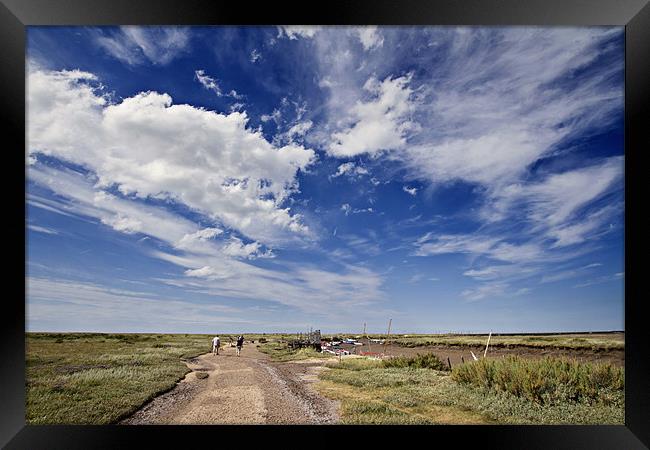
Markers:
point(303, 287)
point(124, 224)
point(77, 196)
point(378, 124)
point(553, 204)
point(496, 107)
point(411, 191)
point(134, 45)
point(208, 82)
point(604, 279)
point(212, 84)
point(40, 229)
point(296, 31)
point(350, 169)
point(370, 37)
point(488, 290)
point(347, 209)
point(211, 162)
point(253, 250)
point(496, 101)
point(430, 245)
point(276, 116)
point(567, 274)
point(255, 56)
point(211, 266)
point(196, 241)
point(296, 131)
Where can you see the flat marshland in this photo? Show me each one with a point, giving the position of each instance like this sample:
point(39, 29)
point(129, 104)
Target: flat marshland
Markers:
point(91, 378)
point(573, 341)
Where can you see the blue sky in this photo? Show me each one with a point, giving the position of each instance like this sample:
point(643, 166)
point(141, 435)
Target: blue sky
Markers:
point(239, 179)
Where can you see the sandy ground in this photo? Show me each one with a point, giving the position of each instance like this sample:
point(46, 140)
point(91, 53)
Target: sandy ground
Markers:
point(249, 389)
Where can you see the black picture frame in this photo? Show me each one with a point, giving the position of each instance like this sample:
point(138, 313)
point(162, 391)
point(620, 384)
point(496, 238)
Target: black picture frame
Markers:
point(15, 15)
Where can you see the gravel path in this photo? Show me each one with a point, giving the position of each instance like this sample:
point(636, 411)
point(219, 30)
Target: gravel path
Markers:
point(249, 389)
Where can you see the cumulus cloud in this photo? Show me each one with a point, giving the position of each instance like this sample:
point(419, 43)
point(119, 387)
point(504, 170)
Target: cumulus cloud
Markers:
point(208, 161)
point(135, 45)
point(379, 123)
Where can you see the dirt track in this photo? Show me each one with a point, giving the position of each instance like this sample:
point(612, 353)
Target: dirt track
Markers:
point(249, 389)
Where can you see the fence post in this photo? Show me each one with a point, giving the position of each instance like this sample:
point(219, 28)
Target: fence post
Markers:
point(449, 362)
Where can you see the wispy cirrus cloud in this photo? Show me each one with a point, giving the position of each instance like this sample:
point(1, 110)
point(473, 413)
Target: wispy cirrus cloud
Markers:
point(136, 45)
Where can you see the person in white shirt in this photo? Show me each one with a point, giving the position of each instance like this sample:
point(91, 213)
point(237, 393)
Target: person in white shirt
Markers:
point(216, 342)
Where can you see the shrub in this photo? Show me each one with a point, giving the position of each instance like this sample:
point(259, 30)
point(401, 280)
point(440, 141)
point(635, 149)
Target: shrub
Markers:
point(426, 361)
point(545, 381)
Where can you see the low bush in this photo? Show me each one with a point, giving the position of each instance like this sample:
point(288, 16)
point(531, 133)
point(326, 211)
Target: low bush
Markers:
point(546, 381)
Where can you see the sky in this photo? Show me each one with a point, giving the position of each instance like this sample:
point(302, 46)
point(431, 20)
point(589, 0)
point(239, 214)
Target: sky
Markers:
point(281, 178)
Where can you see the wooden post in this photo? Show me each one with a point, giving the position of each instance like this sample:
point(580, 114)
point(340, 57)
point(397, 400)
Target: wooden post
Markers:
point(390, 321)
point(449, 362)
point(462, 359)
point(486, 345)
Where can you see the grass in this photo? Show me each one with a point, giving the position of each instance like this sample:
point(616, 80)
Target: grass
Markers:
point(280, 351)
point(373, 393)
point(84, 378)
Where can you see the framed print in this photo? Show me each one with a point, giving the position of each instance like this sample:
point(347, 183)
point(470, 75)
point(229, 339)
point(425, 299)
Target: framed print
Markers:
point(368, 220)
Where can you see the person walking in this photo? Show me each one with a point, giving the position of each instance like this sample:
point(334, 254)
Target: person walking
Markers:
point(240, 344)
point(216, 343)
